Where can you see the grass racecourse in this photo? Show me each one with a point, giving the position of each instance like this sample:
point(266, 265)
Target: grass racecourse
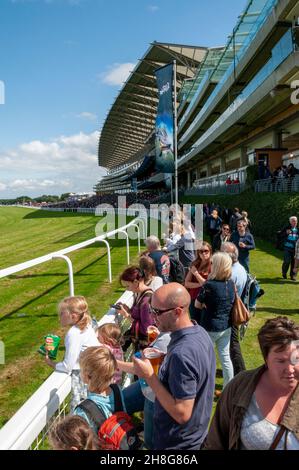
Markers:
point(28, 299)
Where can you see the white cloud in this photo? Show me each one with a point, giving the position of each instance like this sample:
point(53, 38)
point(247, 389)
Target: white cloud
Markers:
point(67, 162)
point(153, 8)
point(87, 115)
point(117, 73)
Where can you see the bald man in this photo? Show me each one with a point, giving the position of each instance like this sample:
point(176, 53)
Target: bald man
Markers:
point(184, 388)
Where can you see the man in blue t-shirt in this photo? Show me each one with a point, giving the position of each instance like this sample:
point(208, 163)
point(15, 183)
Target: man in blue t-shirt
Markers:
point(184, 388)
point(290, 235)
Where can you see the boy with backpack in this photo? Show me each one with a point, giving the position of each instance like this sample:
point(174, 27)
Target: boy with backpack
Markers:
point(104, 410)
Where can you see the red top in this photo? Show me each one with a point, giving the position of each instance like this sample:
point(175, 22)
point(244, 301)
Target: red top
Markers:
point(195, 291)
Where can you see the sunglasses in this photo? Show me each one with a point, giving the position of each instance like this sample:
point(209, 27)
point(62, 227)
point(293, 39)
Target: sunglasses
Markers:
point(204, 251)
point(159, 311)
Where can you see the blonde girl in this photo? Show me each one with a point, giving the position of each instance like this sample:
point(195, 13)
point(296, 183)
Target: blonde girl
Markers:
point(73, 313)
point(110, 335)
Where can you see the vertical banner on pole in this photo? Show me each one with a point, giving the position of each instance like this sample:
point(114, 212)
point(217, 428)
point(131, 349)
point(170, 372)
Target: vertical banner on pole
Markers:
point(165, 121)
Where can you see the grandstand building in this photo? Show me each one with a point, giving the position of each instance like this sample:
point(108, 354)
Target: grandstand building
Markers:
point(234, 107)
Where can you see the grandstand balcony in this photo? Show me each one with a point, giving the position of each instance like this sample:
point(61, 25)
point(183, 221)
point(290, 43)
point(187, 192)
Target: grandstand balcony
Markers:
point(249, 47)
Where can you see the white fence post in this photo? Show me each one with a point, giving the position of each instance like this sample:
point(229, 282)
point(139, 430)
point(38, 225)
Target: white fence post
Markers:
point(109, 258)
point(71, 274)
point(128, 246)
point(138, 234)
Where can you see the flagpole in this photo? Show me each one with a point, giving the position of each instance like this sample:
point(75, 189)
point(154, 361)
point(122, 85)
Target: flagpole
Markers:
point(175, 136)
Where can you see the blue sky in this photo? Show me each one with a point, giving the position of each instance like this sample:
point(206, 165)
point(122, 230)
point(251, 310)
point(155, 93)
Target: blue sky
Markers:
point(62, 63)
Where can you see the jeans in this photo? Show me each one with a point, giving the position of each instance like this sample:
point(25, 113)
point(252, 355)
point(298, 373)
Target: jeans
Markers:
point(133, 398)
point(235, 351)
point(288, 260)
point(148, 423)
point(222, 341)
point(245, 263)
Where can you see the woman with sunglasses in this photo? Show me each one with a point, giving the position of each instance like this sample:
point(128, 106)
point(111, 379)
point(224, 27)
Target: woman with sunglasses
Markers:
point(197, 275)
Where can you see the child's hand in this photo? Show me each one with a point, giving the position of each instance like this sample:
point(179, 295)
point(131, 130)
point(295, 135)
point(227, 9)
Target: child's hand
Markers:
point(49, 361)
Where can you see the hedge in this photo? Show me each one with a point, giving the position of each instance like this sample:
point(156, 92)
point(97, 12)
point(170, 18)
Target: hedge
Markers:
point(268, 212)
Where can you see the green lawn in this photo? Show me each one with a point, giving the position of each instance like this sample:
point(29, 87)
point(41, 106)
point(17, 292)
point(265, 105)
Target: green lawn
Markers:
point(28, 300)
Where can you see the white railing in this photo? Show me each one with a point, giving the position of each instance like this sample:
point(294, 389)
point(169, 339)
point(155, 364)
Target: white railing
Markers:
point(277, 185)
point(61, 254)
point(34, 419)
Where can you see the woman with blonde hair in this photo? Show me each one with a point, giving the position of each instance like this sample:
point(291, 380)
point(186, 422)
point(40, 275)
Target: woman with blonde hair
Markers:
point(73, 313)
point(216, 298)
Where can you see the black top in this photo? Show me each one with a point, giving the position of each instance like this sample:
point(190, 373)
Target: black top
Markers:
point(218, 296)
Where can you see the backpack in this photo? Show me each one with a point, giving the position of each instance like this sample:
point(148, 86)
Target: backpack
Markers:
point(177, 271)
point(116, 432)
point(251, 293)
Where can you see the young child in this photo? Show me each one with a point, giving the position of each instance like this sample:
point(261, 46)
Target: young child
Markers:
point(98, 366)
point(73, 312)
point(110, 335)
point(72, 433)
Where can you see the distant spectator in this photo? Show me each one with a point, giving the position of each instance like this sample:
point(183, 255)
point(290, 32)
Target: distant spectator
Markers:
point(184, 248)
point(236, 180)
point(282, 172)
point(147, 266)
point(290, 235)
point(246, 220)
point(234, 219)
point(221, 237)
point(213, 223)
point(225, 215)
point(228, 180)
point(160, 258)
point(244, 241)
point(296, 259)
point(291, 171)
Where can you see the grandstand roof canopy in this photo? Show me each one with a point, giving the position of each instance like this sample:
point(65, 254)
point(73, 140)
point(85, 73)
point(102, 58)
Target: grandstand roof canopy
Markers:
point(131, 118)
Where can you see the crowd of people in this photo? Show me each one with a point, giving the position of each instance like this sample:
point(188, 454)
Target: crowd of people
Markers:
point(184, 292)
point(146, 198)
point(280, 172)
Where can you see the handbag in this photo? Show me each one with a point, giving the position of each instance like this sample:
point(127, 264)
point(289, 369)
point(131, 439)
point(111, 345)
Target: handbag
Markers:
point(240, 314)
